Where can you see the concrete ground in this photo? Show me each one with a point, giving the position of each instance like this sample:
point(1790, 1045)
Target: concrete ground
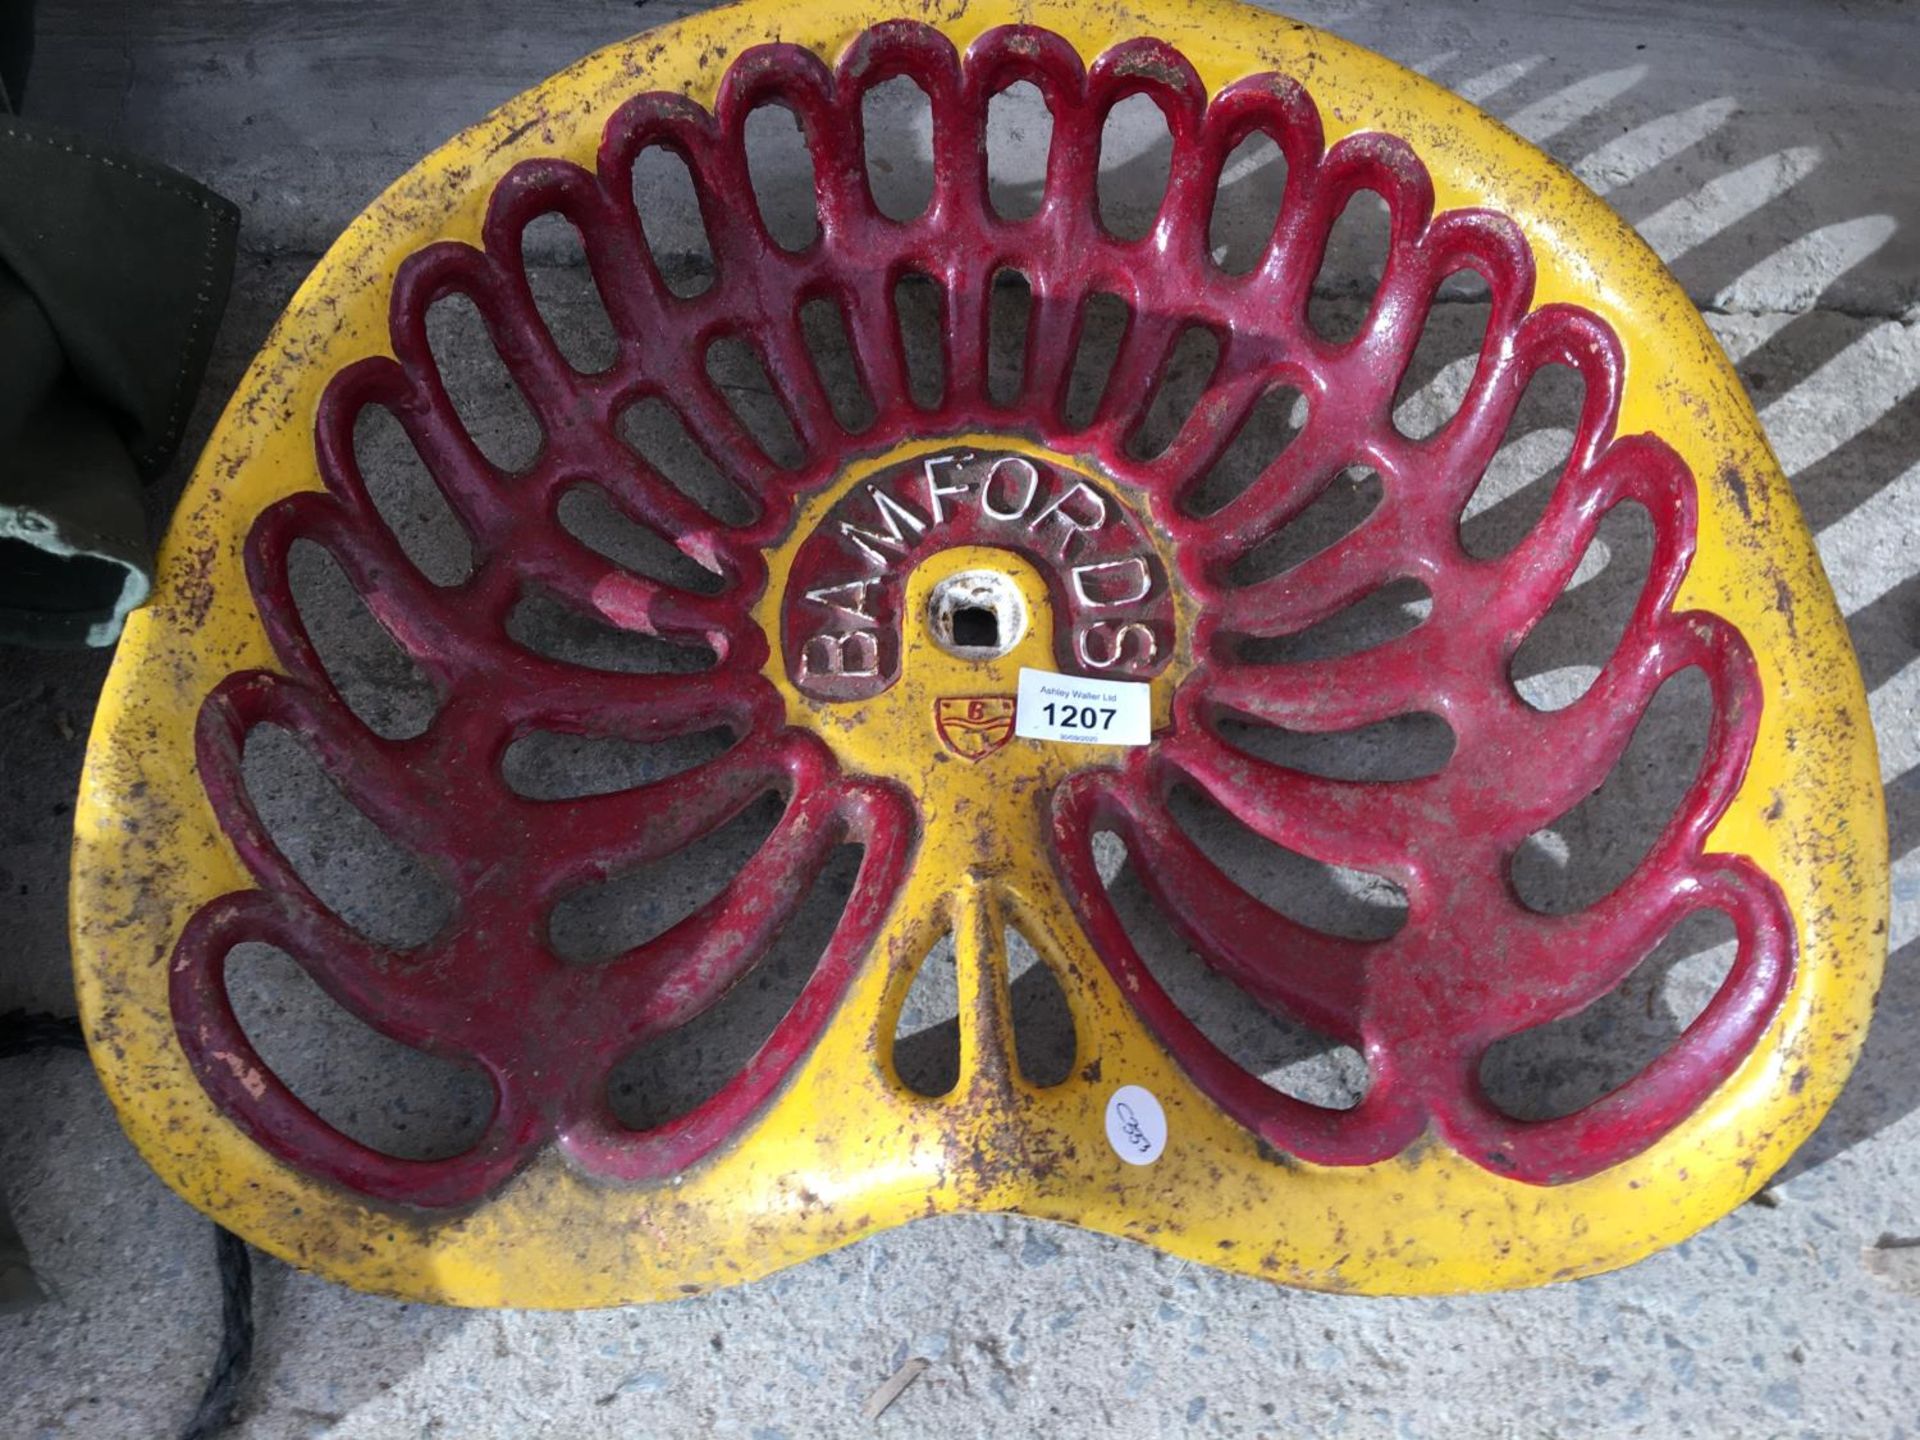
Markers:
point(1767, 153)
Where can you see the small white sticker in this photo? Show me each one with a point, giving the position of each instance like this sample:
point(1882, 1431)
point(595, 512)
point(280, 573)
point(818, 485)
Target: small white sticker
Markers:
point(1080, 711)
point(1136, 1125)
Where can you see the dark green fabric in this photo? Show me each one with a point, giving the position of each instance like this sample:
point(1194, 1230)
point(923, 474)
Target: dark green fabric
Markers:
point(74, 556)
point(16, 53)
point(113, 273)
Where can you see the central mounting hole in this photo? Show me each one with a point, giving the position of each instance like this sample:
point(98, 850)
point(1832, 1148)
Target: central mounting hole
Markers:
point(976, 628)
point(977, 615)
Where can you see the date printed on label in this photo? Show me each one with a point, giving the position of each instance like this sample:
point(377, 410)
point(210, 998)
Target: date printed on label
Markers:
point(1080, 711)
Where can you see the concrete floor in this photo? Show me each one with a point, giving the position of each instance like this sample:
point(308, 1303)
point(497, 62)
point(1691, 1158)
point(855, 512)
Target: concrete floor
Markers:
point(1766, 152)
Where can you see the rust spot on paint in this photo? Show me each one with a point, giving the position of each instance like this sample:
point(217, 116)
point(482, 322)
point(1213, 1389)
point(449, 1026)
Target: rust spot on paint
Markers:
point(193, 583)
point(1735, 484)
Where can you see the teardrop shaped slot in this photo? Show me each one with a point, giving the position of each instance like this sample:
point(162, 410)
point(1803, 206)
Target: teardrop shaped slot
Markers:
point(1285, 1053)
point(1335, 513)
point(388, 1096)
point(379, 681)
point(556, 765)
point(1333, 899)
point(1274, 423)
point(1044, 1041)
point(896, 119)
point(408, 498)
point(1514, 489)
point(676, 1072)
point(376, 886)
point(1564, 652)
point(823, 329)
point(1246, 203)
point(588, 513)
point(1582, 857)
point(654, 431)
point(917, 310)
point(1103, 326)
point(599, 921)
point(1404, 747)
point(735, 368)
point(567, 294)
point(926, 1037)
point(489, 403)
point(1136, 161)
point(1182, 380)
point(1395, 609)
point(1443, 361)
point(546, 625)
point(780, 169)
point(671, 220)
point(1351, 268)
point(1570, 1063)
point(1019, 142)
point(1009, 311)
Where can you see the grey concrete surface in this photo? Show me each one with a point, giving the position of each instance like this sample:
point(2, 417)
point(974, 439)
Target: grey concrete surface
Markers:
point(1766, 151)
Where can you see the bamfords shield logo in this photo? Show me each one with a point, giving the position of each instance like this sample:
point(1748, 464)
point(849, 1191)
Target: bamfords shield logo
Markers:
point(974, 726)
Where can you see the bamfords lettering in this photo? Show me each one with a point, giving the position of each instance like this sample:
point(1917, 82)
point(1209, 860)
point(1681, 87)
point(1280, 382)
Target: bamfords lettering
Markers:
point(1112, 612)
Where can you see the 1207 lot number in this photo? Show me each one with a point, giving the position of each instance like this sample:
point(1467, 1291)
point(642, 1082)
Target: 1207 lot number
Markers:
point(1079, 717)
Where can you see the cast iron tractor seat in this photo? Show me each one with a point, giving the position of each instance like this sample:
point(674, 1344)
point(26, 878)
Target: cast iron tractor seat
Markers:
point(856, 632)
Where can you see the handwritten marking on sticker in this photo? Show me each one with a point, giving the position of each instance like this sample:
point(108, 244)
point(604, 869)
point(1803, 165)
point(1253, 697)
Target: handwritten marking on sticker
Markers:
point(1076, 710)
point(1136, 1125)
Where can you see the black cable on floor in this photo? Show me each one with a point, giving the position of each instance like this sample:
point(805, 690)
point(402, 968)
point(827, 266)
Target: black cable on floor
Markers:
point(236, 1338)
point(20, 1033)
